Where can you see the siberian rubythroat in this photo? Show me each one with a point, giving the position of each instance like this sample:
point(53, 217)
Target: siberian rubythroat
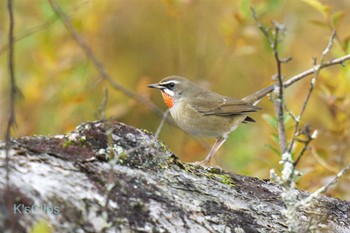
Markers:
point(204, 113)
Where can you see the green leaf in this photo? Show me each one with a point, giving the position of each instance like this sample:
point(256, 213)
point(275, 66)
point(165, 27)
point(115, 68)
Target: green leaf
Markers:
point(272, 121)
point(244, 8)
point(274, 4)
point(337, 17)
point(316, 4)
point(346, 44)
point(275, 138)
point(286, 118)
point(274, 149)
point(320, 23)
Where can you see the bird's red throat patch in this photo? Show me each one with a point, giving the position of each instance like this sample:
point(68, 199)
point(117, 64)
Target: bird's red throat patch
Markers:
point(168, 99)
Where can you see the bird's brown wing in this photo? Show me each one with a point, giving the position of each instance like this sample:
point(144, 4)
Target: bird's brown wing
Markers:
point(222, 106)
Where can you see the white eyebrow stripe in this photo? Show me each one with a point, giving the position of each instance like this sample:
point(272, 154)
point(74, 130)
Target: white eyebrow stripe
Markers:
point(170, 81)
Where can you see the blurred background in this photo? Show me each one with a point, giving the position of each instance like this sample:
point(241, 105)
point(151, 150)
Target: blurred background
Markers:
point(216, 44)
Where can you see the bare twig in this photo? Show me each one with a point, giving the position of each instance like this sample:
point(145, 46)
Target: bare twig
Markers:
point(13, 88)
point(97, 63)
point(296, 78)
point(288, 174)
point(312, 86)
point(105, 75)
point(279, 102)
point(273, 40)
point(306, 73)
point(322, 162)
point(30, 32)
point(290, 113)
point(263, 29)
point(324, 188)
point(12, 115)
point(102, 108)
point(160, 127)
point(310, 136)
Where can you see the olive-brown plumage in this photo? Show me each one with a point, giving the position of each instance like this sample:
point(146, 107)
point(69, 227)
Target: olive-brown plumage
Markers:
point(204, 113)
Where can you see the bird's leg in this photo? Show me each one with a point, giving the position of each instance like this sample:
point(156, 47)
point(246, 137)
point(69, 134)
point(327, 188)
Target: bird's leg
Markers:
point(214, 149)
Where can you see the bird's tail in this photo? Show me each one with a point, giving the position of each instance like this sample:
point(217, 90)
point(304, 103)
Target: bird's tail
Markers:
point(253, 99)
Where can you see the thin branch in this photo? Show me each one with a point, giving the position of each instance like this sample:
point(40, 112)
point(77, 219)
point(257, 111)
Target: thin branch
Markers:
point(322, 162)
point(302, 75)
point(97, 63)
point(279, 102)
point(290, 113)
point(12, 114)
point(296, 78)
point(13, 89)
point(89, 53)
point(160, 127)
point(324, 188)
point(102, 108)
point(312, 86)
point(263, 29)
point(11, 69)
point(306, 142)
point(273, 40)
point(30, 32)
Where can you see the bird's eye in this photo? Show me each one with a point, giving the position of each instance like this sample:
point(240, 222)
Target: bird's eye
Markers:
point(170, 86)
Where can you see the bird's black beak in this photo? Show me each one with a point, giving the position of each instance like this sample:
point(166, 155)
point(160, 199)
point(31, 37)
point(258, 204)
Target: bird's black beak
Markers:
point(155, 85)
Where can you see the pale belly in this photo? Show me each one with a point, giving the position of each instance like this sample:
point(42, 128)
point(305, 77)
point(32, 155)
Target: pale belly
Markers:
point(197, 124)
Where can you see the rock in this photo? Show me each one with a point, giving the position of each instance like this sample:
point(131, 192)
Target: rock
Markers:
point(111, 177)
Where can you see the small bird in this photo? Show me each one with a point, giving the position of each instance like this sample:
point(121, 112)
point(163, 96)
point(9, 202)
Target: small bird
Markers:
point(204, 113)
